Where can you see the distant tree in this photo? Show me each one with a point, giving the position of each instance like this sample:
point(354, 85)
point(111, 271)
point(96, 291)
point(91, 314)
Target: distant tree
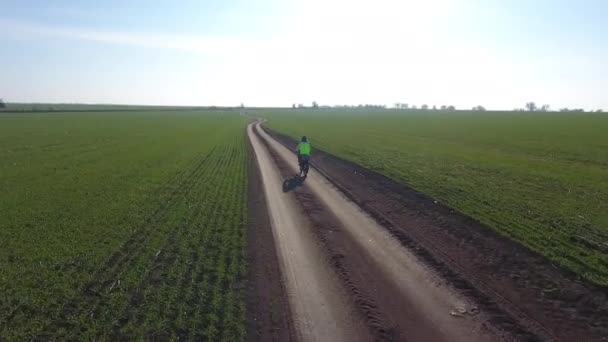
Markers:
point(451, 108)
point(479, 108)
point(544, 108)
point(406, 106)
point(414, 107)
point(242, 105)
point(573, 110)
point(315, 104)
point(444, 107)
point(434, 107)
point(531, 106)
point(300, 105)
point(599, 111)
point(293, 106)
point(2, 104)
point(424, 107)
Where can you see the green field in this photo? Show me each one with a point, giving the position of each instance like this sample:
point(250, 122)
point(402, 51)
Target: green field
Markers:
point(131, 225)
point(74, 107)
point(122, 226)
point(541, 179)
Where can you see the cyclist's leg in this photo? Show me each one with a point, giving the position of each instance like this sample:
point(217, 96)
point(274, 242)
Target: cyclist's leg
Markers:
point(305, 162)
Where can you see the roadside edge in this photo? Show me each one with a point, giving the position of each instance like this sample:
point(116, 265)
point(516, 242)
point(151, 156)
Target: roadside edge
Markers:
point(268, 314)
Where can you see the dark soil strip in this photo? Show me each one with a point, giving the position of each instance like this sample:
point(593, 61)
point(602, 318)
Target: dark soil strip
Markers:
point(268, 316)
point(551, 301)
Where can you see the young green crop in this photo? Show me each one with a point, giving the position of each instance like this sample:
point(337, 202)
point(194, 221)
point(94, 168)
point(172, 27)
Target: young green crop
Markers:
point(541, 179)
point(122, 225)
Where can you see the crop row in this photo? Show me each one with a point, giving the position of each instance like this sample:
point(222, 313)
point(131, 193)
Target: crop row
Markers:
point(160, 254)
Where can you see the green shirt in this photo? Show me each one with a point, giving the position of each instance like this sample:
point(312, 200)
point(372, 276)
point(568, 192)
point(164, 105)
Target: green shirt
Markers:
point(304, 148)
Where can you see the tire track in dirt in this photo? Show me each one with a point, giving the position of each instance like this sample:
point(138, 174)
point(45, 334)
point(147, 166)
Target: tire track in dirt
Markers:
point(488, 303)
point(324, 225)
point(320, 307)
point(267, 315)
point(513, 320)
point(401, 298)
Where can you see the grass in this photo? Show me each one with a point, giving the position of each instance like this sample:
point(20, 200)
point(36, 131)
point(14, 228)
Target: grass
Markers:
point(541, 179)
point(122, 226)
point(75, 107)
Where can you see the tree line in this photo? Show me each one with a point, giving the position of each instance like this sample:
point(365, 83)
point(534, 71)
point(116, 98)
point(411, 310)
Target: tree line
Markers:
point(532, 107)
point(424, 107)
point(315, 105)
point(529, 107)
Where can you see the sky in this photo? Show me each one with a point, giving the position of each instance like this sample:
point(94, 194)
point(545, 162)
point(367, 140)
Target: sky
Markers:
point(495, 53)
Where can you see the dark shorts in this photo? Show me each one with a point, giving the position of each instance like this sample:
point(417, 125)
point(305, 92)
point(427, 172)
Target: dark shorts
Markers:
point(302, 159)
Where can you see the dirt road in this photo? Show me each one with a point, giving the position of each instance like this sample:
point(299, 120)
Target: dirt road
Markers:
point(319, 307)
point(346, 277)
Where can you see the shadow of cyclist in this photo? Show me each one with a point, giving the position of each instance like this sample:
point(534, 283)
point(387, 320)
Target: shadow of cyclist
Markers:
point(292, 183)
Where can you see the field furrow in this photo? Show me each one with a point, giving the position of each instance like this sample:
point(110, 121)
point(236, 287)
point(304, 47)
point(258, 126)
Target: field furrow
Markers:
point(149, 226)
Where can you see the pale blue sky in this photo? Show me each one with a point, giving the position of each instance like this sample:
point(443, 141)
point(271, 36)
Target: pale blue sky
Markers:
point(496, 53)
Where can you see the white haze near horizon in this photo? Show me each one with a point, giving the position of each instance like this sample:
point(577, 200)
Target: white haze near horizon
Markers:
point(437, 52)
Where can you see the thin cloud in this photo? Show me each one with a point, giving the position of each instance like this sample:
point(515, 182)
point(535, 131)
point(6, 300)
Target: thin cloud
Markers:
point(208, 45)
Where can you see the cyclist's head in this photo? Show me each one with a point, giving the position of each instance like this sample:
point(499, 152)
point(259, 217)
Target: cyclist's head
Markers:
point(304, 139)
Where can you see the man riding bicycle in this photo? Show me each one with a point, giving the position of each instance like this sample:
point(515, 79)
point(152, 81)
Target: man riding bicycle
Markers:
point(303, 151)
